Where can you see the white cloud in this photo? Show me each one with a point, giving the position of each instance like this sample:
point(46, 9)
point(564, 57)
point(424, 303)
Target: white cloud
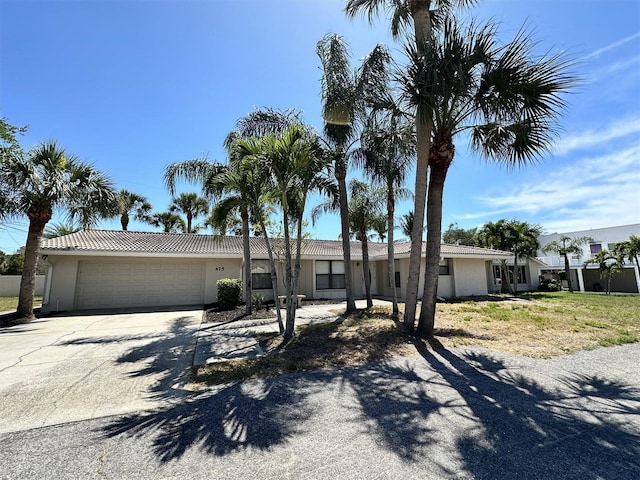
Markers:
point(611, 46)
point(591, 192)
point(590, 138)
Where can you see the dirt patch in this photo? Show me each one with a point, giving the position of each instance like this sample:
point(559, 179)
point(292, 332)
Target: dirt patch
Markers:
point(215, 315)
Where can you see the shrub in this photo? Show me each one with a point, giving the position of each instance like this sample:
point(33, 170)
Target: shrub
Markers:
point(549, 285)
point(257, 300)
point(229, 293)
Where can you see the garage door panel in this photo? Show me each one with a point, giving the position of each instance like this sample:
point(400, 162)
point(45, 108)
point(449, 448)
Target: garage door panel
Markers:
point(103, 284)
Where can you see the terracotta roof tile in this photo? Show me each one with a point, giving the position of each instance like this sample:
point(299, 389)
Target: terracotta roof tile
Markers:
point(184, 244)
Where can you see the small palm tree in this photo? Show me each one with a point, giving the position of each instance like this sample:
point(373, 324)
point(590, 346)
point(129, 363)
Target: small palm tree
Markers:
point(45, 179)
point(609, 264)
point(60, 230)
point(566, 246)
point(494, 235)
point(630, 249)
point(522, 240)
point(191, 205)
point(132, 204)
point(169, 222)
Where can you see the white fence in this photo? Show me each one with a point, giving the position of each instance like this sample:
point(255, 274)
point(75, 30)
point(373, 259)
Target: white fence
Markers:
point(10, 285)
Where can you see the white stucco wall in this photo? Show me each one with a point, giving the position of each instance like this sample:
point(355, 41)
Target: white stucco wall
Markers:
point(10, 285)
point(470, 277)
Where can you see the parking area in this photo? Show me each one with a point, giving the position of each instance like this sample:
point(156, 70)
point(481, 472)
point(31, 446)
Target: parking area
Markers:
point(75, 367)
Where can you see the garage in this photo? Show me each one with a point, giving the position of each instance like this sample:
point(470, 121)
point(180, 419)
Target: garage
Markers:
point(117, 283)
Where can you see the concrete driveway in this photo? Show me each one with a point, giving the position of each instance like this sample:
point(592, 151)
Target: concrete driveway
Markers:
point(75, 367)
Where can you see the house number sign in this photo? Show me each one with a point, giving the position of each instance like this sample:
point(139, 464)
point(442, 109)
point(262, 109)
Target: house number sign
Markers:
point(219, 269)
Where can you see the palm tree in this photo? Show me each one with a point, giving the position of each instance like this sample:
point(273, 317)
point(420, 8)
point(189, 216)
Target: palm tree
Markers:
point(609, 264)
point(45, 179)
point(494, 235)
point(132, 204)
point(403, 13)
point(60, 230)
point(630, 249)
point(191, 205)
point(169, 221)
point(508, 99)
point(406, 224)
point(345, 94)
point(522, 239)
point(566, 246)
point(387, 150)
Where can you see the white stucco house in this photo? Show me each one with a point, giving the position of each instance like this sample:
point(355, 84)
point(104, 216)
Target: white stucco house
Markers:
point(587, 278)
point(118, 269)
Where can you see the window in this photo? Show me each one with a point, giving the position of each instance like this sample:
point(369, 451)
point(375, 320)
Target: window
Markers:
point(396, 264)
point(595, 248)
point(329, 274)
point(497, 272)
point(444, 267)
point(260, 274)
point(522, 273)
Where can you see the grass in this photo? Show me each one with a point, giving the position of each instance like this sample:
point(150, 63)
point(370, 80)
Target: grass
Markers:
point(537, 325)
point(11, 303)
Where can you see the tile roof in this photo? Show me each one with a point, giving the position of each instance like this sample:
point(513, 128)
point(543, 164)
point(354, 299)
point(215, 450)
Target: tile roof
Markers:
point(119, 241)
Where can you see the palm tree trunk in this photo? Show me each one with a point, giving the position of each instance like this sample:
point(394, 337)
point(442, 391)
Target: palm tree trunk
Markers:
point(246, 250)
point(296, 270)
point(437, 178)
point(37, 223)
point(189, 219)
point(365, 269)
point(423, 138)
point(515, 273)
point(291, 306)
point(422, 29)
point(505, 286)
point(274, 277)
point(341, 176)
point(567, 272)
point(391, 264)
point(124, 221)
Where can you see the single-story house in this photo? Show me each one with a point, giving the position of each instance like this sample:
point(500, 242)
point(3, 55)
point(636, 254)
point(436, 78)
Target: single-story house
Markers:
point(118, 269)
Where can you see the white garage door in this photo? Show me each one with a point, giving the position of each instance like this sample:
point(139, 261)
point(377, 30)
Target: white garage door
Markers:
point(108, 284)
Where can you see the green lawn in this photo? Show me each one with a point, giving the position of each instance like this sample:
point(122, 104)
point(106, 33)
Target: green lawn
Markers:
point(11, 303)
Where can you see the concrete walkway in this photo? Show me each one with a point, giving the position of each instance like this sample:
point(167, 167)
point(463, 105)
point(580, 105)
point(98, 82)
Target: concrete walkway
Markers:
point(235, 340)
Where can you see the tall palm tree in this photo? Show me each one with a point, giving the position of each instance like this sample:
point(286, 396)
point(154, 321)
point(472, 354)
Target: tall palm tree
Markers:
point(345, 93)
point(630, 249)
point(419, 14)
point(566, 246)
point(169, 222)
point(45, 179)
point(191, 205)
point(506, 97)
point(132, 204)
point(387, 150)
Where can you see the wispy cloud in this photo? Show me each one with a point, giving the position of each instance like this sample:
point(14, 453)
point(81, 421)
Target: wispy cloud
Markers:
point(589, 138)
point(591, 192)
point(611, 46)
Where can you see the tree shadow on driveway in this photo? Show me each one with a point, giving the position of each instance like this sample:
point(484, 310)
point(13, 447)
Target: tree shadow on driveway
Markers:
point(256, 414)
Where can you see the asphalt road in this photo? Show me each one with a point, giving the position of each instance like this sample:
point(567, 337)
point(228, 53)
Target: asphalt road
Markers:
point(454, 414)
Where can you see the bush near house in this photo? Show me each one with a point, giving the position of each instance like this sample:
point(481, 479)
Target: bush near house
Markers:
point(229, 293)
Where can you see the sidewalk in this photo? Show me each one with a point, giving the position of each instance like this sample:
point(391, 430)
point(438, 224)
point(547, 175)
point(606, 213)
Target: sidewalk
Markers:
point(236, 340)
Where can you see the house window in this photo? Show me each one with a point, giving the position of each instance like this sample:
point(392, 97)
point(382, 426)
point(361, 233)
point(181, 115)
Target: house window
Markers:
point(497, 272)
point(444, 267)
point(396, 264)
point(329, 274)
point(522, 273)
point(595, 248)
point(260, 274)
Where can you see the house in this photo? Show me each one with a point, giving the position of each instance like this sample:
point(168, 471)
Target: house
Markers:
point(587, 278)
point(107, 269)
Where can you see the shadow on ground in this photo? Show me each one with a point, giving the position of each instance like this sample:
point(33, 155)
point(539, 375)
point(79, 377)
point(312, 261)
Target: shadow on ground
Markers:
point(491, 421)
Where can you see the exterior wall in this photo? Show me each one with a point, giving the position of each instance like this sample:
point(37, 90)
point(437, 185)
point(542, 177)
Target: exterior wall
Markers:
point(64, 273)
point(217, 269)
point(470, 277)
point(10, 285)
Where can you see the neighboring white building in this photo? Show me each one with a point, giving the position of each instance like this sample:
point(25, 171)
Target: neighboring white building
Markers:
point(587, 278)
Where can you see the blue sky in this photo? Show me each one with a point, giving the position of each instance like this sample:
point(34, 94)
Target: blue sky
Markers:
point(132, 86)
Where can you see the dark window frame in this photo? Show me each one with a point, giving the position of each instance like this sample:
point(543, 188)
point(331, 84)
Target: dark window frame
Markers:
point(334, 281)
